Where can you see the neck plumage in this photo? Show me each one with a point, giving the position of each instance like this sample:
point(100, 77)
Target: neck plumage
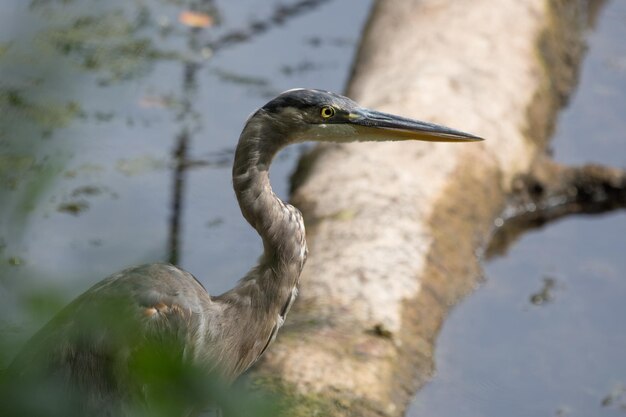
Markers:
point(262, 299)
point(279, 224)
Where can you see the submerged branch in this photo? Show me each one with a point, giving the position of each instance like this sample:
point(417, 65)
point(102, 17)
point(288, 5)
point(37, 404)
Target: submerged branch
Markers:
point(552, 191)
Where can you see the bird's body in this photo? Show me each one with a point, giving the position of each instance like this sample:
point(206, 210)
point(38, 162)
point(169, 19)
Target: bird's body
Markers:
point(91, 344)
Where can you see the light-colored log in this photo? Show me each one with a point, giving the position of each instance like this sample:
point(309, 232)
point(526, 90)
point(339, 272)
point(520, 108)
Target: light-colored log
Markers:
point(395, 229)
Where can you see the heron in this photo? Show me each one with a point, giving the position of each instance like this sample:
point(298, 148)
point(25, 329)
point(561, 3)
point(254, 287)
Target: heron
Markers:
point(226, 333)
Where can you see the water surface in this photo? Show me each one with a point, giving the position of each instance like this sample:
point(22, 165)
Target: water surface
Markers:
point(545, 335)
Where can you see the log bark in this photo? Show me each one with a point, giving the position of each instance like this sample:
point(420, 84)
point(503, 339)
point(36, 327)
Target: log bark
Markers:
point(396, 230)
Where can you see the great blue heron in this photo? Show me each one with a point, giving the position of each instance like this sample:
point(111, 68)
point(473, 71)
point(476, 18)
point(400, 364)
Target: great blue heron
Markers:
point(229, 332)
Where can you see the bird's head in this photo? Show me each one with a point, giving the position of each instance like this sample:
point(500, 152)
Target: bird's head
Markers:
point(303, 114)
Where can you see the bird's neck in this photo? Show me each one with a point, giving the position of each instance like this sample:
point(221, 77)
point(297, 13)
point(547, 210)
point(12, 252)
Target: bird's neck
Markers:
point(260, 301)
point(279, 224)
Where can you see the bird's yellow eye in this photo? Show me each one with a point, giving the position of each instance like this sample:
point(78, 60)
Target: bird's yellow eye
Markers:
point(327, 112)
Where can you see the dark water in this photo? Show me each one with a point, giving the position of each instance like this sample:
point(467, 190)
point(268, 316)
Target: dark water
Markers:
point(95, 96)
point(546, 333)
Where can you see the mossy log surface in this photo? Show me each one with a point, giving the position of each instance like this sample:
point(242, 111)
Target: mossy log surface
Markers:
point(396, 230)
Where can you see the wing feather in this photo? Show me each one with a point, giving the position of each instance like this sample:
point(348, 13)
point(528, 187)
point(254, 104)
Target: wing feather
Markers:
point(93, 343)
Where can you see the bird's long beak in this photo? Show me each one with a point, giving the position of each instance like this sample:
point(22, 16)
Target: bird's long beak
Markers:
point(375, 125)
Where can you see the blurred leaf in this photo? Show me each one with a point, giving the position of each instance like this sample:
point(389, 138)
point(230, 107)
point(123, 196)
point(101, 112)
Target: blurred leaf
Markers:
point(25, 196)
point(13, 167)
point(4, 47)
point(42, 303)
point(15, 261)
point(142, 371)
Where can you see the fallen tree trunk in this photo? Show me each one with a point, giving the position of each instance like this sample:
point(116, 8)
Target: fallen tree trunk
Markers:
point(396, 229)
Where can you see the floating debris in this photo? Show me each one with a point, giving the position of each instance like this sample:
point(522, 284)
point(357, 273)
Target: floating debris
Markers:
point(73, 207)
point(89, 190)
point(140, 165)
point(545, 294)
point(215, 222)
point(85, 169)
point(195, 19)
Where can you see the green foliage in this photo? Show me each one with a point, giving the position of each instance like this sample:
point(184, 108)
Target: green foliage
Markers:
point(4, 47)
point(139, 371)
